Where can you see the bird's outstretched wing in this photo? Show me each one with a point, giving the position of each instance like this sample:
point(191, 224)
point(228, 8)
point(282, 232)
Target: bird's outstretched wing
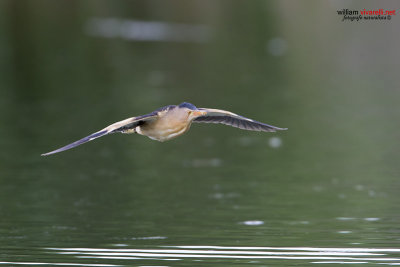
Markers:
point(121, 126)
point(234, 120)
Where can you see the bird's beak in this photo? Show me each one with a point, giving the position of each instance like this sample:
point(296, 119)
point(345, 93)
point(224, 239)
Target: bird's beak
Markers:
point(198, 113)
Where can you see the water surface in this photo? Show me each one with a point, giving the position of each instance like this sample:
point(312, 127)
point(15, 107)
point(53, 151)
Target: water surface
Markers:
point(323, 192)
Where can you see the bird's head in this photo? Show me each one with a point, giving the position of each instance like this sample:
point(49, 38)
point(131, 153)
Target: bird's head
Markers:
point(191, 111)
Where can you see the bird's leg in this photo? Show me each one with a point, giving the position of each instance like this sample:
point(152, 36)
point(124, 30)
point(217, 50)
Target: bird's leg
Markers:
point(129, 131)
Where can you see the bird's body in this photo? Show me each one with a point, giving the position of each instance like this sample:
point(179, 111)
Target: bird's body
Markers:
point(172, 121)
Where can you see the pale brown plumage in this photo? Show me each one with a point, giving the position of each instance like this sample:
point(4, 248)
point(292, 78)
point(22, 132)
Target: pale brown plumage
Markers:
point(171, 121)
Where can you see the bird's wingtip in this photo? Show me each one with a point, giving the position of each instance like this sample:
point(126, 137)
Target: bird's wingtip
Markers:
point(279, 129)
point(46, 154)
point(78, 143)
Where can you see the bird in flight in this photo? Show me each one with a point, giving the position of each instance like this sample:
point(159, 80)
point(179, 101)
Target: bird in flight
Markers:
point(172, 121)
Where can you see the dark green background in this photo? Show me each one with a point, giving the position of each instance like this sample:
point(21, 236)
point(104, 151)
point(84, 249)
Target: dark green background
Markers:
point(336, 87)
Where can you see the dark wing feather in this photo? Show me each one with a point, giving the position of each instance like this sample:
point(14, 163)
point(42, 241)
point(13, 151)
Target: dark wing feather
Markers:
point(120, 126)
point(234, 120)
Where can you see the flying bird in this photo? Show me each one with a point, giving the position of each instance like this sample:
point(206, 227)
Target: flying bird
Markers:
point(172, 121)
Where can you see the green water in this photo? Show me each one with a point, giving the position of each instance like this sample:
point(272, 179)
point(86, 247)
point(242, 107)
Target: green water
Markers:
point(324, 192)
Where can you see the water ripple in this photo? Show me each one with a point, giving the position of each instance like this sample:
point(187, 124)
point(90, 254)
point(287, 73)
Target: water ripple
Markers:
point(227, 254)
point(387, 256)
